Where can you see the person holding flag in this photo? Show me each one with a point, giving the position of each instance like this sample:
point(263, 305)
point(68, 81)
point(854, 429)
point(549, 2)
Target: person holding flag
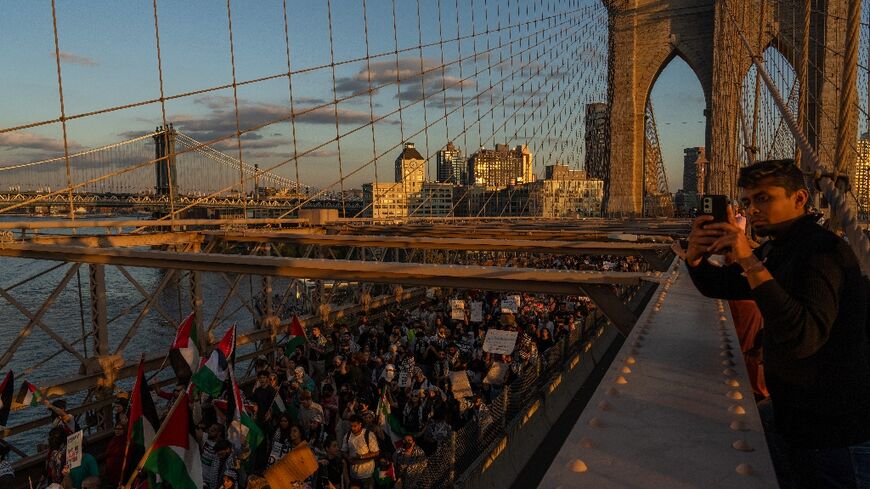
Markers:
point(211, 377)
point(142, 422)
point(184, 354)
point(243, 432)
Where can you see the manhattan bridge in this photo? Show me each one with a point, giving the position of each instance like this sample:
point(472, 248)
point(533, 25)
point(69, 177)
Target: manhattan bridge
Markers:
point(229, 188)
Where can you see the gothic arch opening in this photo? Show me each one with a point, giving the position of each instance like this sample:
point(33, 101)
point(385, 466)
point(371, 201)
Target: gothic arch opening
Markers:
point(763, 133)
point(675, 106)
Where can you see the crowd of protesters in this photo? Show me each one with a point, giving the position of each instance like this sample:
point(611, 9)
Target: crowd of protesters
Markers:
point(372, 396)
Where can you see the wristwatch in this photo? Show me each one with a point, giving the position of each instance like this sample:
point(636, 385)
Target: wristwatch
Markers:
point(750, 264)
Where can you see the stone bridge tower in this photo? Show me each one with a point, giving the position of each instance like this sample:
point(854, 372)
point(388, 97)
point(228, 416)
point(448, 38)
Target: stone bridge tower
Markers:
point(645, 35)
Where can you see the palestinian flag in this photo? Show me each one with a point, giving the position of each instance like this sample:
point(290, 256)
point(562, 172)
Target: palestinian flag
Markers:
point(210, 378)
point(278, 406)
point(143, 420)
point(174, 454)
point(385, 477)
point(6, 390)
point(242, 430)
point(296, 336)
point(184, 352)
point(390, 424)
point(29, 395)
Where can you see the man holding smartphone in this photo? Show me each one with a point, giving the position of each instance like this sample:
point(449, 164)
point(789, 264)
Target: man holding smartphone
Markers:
point(814, 301)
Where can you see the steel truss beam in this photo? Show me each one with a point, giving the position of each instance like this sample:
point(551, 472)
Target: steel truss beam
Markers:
point(454, 276)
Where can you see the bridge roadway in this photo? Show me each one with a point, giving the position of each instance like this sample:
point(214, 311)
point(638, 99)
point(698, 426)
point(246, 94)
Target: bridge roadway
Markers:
point(675, 409)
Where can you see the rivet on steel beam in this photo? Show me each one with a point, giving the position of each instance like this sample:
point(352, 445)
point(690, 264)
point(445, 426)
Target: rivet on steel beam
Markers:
point(625, 370)
point(737, 409)
point(605, 406)
point(621, 380)
point(744, 469)
point(630, 361)
point(738, 425)
point(578, 466)
point(586, 443)
point(732, 383)
point(735, 395)
point(726, 353)
point(594, 422)
point(742, 446)
point(729, 372)
point(612, 392)
point(728, 363)
point(723, 318)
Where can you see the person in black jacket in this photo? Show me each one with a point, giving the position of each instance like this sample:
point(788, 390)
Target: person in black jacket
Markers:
point(808, 285)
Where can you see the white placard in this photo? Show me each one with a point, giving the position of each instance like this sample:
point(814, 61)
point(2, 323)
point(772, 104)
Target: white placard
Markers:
point(74, 449)
point(518, 299)
point(404, 379)
point(500, 341)
point(509, 304)
point(497, 373)
point(476, 311)
point(457, 309)
point(460, 385)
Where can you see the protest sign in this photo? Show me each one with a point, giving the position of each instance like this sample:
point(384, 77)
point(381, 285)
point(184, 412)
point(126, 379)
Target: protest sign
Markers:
point(497, 374)
point(457, 309)
point(509, 304)
point(297, 465)
point(404, 379)
point(500, 341)
point(476, 311)
point(74, 449)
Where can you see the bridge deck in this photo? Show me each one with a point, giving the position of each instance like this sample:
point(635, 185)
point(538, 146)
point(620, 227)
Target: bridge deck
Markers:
point(669, 412)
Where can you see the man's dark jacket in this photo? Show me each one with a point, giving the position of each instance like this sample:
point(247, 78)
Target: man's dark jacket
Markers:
point(815, 334)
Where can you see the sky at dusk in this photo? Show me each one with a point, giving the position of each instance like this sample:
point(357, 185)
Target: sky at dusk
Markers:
point(541, 77)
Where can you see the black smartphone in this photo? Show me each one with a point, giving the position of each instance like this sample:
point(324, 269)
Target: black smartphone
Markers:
point(716, 206)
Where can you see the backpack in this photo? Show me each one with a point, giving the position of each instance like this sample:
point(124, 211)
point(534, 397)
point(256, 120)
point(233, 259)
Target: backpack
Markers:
point(366, 437)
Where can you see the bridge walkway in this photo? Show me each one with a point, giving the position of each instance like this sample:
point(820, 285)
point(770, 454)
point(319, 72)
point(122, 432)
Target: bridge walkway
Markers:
point(675, 409)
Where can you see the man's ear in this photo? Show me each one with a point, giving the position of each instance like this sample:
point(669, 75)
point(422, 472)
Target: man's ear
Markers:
point(802, 197)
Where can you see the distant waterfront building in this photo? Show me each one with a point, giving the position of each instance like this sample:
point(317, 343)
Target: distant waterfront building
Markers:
point(501, 167)
point(597, 147)
point(451, 165)
point(694, 165)
point(410, 195)
point(434, 200)
point(410, 169)
point(563, 193)
point(385, 200)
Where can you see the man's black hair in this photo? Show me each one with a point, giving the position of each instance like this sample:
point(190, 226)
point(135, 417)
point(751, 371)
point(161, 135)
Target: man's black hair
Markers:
point(779, 173)
point(356, 418)
point(223, 444)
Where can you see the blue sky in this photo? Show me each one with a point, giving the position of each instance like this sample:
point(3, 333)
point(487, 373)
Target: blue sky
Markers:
point(109, 59)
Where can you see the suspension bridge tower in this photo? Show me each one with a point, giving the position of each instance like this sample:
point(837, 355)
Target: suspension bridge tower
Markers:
point(718, 39)
point(164, 156)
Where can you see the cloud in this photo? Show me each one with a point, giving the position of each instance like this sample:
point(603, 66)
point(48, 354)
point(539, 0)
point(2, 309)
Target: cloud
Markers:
point(414, 76)
point(75, 59)
point(28, 141)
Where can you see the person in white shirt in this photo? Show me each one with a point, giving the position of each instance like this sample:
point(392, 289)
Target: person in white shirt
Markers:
point(360, 448)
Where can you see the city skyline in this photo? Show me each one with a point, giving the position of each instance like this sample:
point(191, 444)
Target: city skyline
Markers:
point(99, 74)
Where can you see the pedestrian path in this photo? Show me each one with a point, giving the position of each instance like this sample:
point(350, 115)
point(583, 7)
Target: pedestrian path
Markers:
point(675, 410)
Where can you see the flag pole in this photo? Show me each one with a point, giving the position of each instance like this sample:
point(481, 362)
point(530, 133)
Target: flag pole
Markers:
point(129, 435)
point(182, 396)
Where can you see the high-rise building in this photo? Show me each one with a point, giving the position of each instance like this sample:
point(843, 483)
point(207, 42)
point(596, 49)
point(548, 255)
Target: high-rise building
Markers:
point(694, 163)
point(859, 177)
point(597, 147)
point(451, 165)
point(564, 193)
point(501, 167)
point(410, 169)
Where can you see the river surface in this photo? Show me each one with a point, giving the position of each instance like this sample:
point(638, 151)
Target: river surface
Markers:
point(41, 360)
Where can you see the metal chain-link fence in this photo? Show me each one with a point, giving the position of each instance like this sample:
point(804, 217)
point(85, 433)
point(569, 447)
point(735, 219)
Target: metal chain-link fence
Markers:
point(479, 437)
